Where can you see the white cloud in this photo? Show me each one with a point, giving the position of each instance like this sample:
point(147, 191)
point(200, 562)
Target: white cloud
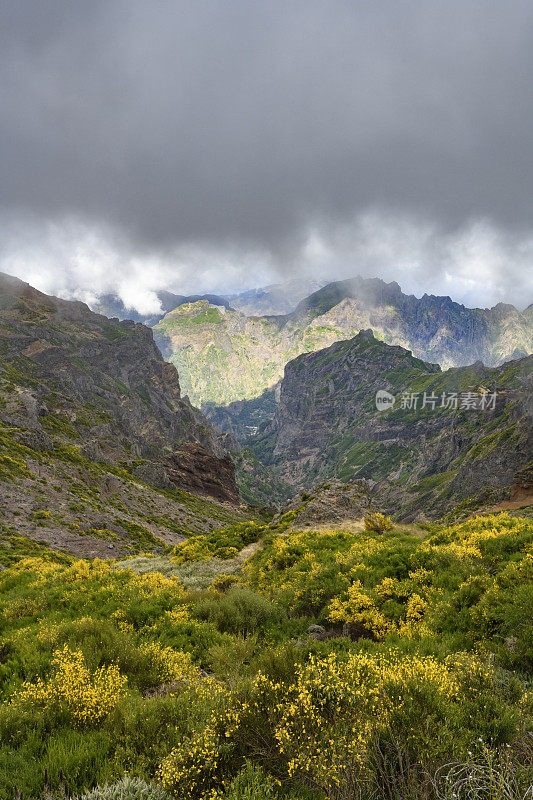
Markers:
point(478, 264)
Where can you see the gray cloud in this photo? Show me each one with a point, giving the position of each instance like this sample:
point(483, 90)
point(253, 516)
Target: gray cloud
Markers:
point(235, 129)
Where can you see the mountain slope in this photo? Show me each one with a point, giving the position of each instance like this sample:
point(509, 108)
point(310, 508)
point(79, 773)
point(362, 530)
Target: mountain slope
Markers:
point(88, 412)
point(63, 352)
point(327, 424)
point(223, 355)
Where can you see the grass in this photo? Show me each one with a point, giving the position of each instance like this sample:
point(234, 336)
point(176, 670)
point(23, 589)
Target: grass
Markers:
point(195, 576)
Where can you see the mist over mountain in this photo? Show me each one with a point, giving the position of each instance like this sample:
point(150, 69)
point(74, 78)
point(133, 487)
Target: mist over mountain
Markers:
point(279, 298)
point(112, 306)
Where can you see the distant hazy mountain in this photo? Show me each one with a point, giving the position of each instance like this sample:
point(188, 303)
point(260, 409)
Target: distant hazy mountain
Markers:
point(223, 355)
point(279, 298)
point(112, 306)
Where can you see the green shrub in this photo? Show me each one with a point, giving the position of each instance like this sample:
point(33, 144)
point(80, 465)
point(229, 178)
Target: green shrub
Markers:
point(251, 783)
point(239, 611)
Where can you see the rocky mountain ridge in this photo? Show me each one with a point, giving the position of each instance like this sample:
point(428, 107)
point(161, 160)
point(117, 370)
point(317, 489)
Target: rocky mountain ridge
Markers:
point(110, 305)
point(223, 355)
point(89, 413)
point(327, 425)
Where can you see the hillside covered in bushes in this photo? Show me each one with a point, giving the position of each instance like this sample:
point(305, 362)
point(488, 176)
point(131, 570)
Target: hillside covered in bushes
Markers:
point(330, 664)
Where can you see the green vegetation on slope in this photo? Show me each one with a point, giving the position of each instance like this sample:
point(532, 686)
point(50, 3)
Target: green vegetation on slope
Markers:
point(235, 692)
point(427, 459)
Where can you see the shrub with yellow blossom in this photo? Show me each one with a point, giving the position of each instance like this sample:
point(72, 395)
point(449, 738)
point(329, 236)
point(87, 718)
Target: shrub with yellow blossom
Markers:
point(311, 713)
point(359, 607)
point(83, 697)
point(375, 521)
point(176, 666)
point(320, 729)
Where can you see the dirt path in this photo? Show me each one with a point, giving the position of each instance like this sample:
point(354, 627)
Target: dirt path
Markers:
point(247, 552)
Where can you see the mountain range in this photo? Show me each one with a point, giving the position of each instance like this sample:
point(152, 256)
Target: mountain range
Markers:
point(223, 355)
point(98, 438)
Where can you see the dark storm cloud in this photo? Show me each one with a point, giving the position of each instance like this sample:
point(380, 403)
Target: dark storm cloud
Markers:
point(238, 123)
point(238, 119)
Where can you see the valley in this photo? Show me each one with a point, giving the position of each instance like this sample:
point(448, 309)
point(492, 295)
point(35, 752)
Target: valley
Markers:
point(184, 592)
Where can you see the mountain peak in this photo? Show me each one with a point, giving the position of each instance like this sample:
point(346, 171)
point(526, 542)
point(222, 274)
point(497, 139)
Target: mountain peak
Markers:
point(366, 333)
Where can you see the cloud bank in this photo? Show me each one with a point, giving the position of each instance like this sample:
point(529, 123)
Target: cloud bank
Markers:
point(208, 145)
point(477, 265)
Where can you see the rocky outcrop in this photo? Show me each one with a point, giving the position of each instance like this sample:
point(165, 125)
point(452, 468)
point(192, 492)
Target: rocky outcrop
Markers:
point(330, 502)
point(195, 470)
point(522, 486)
point(421, 459)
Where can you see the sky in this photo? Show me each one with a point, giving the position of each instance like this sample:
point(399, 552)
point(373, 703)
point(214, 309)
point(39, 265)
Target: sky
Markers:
point(218, 145)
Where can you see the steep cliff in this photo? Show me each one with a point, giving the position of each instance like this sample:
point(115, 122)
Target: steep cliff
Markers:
point(425, 457)
point(58, 354)
point(89, 410)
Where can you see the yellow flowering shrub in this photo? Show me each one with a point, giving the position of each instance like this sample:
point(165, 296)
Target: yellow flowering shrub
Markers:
point(85, 698)
point(482, 535)
point(179, 614)
point(24, 607)
point(359, 607)
point(194, 769)
point(197, 548)
point(320, 728)
point(338, 706)
point(311, 713)
point(416, 608)
point(375, 521)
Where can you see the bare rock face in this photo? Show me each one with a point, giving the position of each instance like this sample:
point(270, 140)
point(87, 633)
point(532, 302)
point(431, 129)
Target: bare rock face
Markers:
point(522, 487)
point(154, 473)
point(196, 470)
